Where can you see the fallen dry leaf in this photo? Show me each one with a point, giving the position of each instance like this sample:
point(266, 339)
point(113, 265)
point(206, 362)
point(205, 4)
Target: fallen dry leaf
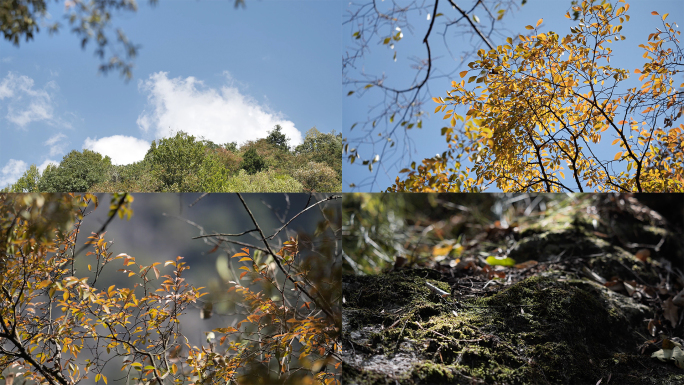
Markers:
point(670, 311)
point(525, 265)
point(643, 255)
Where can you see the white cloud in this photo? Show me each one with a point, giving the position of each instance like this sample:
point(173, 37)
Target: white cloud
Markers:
point(12, 171)
point(27, 104)
point(56, 144)
point(44, 165)
point(221, 116)
point(122, 149)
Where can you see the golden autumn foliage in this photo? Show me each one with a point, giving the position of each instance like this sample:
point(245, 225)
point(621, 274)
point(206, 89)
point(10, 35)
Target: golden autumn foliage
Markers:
point(543, 104)
point(60, 328)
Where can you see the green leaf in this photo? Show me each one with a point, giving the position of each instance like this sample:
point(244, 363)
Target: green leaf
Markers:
point(500, 261)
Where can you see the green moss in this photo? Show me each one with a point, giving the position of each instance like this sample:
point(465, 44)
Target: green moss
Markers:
point(554, 328)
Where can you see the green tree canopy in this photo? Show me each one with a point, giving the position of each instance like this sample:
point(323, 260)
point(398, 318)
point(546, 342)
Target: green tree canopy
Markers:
point(278, 139)
point(28, 182)
point(174, 158)
point(252, 162)
point(321, 147)
point(77, 172)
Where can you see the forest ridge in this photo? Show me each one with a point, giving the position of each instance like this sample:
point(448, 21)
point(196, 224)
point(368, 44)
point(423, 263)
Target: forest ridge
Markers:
point(184, 163)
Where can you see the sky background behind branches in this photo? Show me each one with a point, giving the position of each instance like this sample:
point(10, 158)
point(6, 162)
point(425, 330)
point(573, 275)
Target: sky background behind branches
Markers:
point(427, 142)
point(205, 68)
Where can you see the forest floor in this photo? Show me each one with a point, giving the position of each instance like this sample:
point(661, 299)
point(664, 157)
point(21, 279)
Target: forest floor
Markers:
point(584, 292)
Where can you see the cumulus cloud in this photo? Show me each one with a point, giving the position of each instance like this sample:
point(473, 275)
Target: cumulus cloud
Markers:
point(220, 115)
point(47, 162)
point(122, 149)
point(12, 171)
point(26, 103)
point(56, 144)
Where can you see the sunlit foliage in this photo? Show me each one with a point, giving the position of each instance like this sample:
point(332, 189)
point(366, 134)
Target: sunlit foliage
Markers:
point(541, 105)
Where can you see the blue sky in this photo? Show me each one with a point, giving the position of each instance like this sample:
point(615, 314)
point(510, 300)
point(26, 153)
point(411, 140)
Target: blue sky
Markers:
point(204, 67)
point(427, 142)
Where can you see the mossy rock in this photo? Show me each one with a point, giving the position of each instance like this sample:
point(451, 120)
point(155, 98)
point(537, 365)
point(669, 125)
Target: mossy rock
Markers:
point(553, 327)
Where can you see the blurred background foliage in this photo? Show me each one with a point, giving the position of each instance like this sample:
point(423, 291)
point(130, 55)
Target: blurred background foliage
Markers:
point(382, 231)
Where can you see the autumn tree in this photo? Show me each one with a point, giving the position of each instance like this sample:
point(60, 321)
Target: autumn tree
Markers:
point(380, 138)
point(61, 325)
point(537, 110)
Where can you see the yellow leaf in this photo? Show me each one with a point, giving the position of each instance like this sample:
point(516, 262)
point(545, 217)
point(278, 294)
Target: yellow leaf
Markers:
point(439, 250)
point(529, 27)
point(436, 100)
point(539, 22)
point(104, 379)
point(615, 141)
point(463, 74)
point(664, 16)
point(618, 155)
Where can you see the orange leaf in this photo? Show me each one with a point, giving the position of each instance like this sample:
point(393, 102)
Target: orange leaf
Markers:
point(463, 74)
point(526, 264)
point(618, 155)
point(643, 255)
point(654, 13)
point(539, 22)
